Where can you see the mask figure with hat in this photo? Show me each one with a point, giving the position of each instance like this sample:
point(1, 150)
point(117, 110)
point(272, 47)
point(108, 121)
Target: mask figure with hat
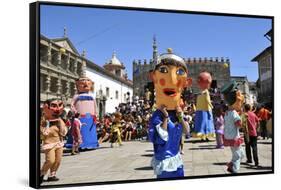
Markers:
point(84, 103)
point(204, 126)
point(166, 124)
point(232, 122)
point(52, 130)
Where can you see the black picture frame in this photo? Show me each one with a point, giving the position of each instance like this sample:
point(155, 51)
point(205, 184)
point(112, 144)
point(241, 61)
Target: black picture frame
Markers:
point(34, 98)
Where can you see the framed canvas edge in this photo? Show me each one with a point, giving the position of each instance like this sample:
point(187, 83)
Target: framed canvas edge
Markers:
point(34, 97)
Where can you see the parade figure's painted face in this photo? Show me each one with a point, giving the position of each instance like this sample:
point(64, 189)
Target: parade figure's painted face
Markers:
point(239, 101)
point(204, 80)
point(84, 84)
point(169, 81)
point(53, 109)
point(232, 95)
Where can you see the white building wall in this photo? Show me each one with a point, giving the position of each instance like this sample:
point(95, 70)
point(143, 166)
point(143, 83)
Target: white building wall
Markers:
point(102, 82)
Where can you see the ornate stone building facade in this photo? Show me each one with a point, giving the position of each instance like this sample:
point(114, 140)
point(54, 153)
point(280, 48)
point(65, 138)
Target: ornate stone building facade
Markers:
point(265, 85)
point(61, 65)
point(219, 68)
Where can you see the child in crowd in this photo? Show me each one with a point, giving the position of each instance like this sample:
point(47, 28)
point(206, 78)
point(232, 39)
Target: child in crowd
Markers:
point(129, 127)
point(115, 129)
point(75, 129)
point(219, 126)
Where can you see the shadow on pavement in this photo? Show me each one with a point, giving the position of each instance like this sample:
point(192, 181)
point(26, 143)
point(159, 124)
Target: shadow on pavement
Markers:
point(68, 154)
point(194, 141)
point(259, 168)
point(206, 146)
point(243, 163)
point(144, 168)
point(104, 147)
point(264, 142)
point(147, 155)
point(220, 163)
point(203, 148)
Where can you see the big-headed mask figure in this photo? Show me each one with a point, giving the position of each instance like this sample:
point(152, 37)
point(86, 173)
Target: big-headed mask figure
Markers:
point(166, 125)
point(204, 80)
point(233, 122)
point(84, 103)
point(52, 131)
point(84, 84)
point(204, 124)
point(52, 109)
point(170, 78)
point(233, 95)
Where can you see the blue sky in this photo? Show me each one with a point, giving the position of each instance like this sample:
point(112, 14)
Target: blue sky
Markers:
point(130, 35)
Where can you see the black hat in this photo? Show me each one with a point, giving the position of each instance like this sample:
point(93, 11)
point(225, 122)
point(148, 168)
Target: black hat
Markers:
point(229, 91)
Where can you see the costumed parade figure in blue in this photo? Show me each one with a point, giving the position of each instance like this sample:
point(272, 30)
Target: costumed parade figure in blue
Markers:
point(204, 123)
point(166, 125)
point(85, 104)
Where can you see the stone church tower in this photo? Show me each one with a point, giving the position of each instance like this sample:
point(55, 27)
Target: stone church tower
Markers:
point(116, 67)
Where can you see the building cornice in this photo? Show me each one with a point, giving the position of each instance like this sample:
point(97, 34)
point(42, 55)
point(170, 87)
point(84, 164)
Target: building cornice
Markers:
point(266, 50)
point(92, 65)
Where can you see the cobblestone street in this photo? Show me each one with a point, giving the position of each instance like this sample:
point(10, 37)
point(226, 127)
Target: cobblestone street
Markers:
point(132, 162)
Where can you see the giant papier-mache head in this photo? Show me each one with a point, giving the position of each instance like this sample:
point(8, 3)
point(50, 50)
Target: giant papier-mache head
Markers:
point(232, 95)
point(170, 78)
point(84, 84)
point(53, 109)
point(204, 80)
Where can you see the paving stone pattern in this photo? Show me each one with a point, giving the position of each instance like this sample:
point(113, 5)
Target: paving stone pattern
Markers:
point(132, 161)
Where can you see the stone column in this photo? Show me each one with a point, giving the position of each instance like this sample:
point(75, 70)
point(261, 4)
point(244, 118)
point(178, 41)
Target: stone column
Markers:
point(68, 62)
point(67, 93)
point(48, 83)
point(49, 54)
point(59, 60)
point(59, 86)
point(75, 89)
point(75, 66)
